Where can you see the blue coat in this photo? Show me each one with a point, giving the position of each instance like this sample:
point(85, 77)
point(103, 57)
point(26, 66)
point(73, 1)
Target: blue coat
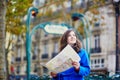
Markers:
point(71, 74)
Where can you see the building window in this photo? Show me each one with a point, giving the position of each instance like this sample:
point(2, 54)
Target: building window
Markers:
point(56, 50)
point(35, 53)
point(46, 35)
point(97, 24)
point(45, 70)
point(45, 53)
point(45, 48)
point(97, 63)
point(18, 58)
point(97, 48)
point(35, 68)
point(36, 50)
point(18, 70)
point(24, 68)
point(13, 59)
point(19, 52)
point(97, 41)
point(68, 6)
point(102, 62)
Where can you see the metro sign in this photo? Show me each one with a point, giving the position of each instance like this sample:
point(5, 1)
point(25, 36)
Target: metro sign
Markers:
point(55, 29)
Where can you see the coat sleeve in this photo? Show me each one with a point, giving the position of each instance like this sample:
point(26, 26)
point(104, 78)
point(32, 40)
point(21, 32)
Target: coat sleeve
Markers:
point(84, 63)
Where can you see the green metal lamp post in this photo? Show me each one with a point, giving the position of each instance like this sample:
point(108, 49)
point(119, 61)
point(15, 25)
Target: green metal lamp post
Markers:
point(28, 40)
point(78, 16)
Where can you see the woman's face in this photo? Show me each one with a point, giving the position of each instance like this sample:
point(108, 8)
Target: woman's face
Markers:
point(71, 39)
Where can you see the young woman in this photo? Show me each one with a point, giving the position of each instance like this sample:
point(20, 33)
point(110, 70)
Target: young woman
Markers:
point(79, 69)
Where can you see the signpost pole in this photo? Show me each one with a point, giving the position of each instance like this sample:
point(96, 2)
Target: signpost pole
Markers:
point(78, 16)
point(28, 41)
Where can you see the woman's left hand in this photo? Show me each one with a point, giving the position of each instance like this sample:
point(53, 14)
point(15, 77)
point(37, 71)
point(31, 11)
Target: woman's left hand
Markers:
point(76, 65)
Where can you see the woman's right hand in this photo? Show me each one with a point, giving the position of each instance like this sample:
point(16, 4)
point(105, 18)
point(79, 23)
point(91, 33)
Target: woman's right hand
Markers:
point(53, 74)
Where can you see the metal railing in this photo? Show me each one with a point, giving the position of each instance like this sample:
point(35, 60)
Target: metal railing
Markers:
point(100, 76)
point(92, 76)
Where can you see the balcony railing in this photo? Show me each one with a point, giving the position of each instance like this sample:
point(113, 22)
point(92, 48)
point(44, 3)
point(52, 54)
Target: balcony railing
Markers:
point(54, 54)
point(45, 55)
point(97, 24)
point(24, 58)
point(18, 59)
point(34, 57)
point(95, 50)
point(35, 70)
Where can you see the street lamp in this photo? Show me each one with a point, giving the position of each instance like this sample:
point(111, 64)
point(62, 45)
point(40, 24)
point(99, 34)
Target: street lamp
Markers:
point(116, 5)
point(78, 16)
point(28, 39)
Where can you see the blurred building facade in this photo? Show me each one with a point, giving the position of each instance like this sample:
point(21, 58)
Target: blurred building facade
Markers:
point(103, 42)
point(46, 46)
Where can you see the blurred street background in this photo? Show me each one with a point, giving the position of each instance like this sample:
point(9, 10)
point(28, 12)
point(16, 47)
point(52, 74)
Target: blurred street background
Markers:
point(97, 23)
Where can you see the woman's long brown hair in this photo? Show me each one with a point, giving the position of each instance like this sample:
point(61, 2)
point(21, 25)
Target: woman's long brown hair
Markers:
point(63, 42)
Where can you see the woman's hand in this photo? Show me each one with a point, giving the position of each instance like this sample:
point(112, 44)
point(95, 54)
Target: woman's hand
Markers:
point(53, 74)
point(76, 65)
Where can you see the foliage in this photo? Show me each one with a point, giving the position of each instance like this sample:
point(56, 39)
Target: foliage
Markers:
point(91, 11)
point(90, 6)
point(16, 10)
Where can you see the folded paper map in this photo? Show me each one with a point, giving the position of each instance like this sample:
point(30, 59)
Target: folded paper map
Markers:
point(63, 60)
